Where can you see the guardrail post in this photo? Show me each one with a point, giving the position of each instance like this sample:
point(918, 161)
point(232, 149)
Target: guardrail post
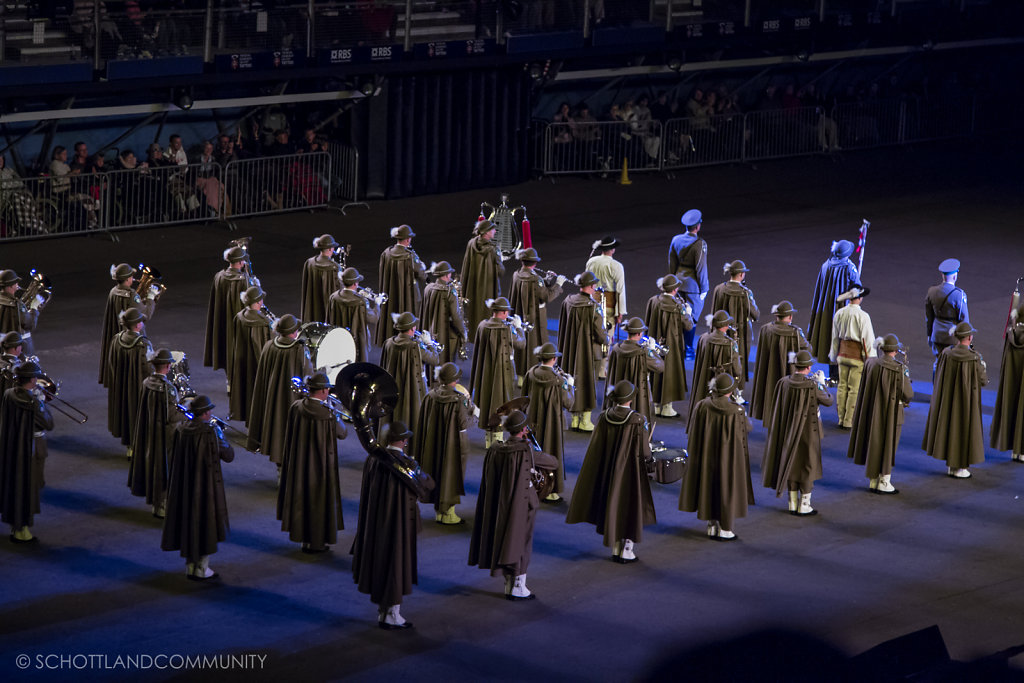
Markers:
point(586, 19)
point(208, 33)
point(669, 21)
point(407, 43)
point(901, 125)
point(310, 28)
point(746, 14)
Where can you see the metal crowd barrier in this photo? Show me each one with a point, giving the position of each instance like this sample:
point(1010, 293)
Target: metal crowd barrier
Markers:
point(601, 146)
point(163, 195)
point(266, 185)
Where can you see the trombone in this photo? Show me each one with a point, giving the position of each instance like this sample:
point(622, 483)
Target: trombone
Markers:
point(332, 403)
point(49, 389)
point(216, 422)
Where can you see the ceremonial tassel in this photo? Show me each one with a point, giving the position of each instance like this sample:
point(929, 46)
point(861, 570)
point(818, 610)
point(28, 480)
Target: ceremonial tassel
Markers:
point(527, 236)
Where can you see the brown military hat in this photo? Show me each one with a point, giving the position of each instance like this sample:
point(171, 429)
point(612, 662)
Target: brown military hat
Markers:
point(782, 309)
point(27, 371)
point(287, 324)
point(546, 351)
point(121, 272)
point(441, 268)
point(396, 431)
point(200, 404)
point(668, 283)
point(325, 242)
point(402, 232)
point(964, 330)
point(735, 267)
point(722, 384)
point(499, 304)
point(351, 276)
point(586, 279)
point(623, 392)
point(635, 326)
point(252, 295)
point(161, 357)
point(318, 380)
point(528, 255)
point(483, 226)
point(132, 316)
point(515, 422)
point(8, 278)
point(234, 254)
point(405, 321)
point(890, 342)
point(720, 319)
point(802, 358)
point(448, 373)
point(11, 339)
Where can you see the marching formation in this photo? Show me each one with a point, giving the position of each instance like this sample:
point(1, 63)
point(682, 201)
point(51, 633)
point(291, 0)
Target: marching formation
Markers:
point(300, 383)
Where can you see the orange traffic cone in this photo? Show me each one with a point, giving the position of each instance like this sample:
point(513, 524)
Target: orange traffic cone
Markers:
point(624, 178)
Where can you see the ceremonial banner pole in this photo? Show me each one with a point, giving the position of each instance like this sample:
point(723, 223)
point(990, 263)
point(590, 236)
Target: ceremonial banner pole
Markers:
point(862, 239)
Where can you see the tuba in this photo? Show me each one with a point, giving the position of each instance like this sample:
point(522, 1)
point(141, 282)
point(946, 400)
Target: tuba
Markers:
point(149, 283)
point(368, 392)
point(38, 286)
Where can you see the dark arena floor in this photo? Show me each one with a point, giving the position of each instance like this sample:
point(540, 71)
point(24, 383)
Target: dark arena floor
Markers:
point(866, 570)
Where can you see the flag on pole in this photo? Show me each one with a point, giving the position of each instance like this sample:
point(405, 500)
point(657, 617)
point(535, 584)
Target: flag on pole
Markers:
point(862, 238)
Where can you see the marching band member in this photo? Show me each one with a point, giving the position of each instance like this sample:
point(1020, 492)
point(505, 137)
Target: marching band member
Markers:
point(442, 312)
point(669, 319)
point(955, 432)
point(283, 357)
point(404, 357)
point(775, 342)
point(878, 416)
point(441, 447)
point(120, 298)
point(15, 314)
point(250, 335)
point(1008, 417)
point(493, 377)
point(581, 338)
point(319, 279)
point(792, 456)
point(309, 497)
point(24, 421)
point(688, 261)
point(225, 303)
point(613, 491)
point(634, 361)
point(736, 299)
point(717, 352)
point(127, 369)
point(551, 393)
point(11, 356)
point(482, 268)
point(399, 275)
point(529, 299)
point(836, 276)
point(506, 508)
point(354, 312)
point(197, 511)
point(155, 422)
point(716, 483)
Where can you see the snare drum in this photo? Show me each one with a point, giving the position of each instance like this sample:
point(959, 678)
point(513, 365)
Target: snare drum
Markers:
point(669, 465)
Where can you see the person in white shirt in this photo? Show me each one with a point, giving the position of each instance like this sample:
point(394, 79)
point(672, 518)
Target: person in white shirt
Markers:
point(852, 343)
point(613, 280)
point(175, 152)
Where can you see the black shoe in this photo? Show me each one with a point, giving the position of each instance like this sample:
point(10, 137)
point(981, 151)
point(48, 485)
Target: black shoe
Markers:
point(884, 493)
point(723, 539)
point(805, 514)
point(621, 560)
point(556, 501)
point(394, 627)
point(14, 539)
point(211, 577)
point(461, 521)
point(314, 551)
point(518, 598)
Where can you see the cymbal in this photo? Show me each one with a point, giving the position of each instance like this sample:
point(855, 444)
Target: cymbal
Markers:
point(520, 403)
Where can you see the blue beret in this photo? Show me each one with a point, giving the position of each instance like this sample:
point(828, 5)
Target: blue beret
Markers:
point(950, 265)
point(691, 217)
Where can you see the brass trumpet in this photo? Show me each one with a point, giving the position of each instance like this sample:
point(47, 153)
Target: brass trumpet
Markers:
point(525, 325)
point(369, 295)
point(652, 345)
point(550, 276)
point(149, 285)
point(39, 285)
point(332, 403)
point(431, 345)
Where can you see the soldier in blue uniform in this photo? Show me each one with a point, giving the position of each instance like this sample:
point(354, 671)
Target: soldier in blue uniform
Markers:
point(945, 307)
point(688, 260)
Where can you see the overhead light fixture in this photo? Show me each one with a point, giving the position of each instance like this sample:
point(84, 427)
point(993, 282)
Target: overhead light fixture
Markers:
point(183, 98)
point(368, 87)
point(803, 55)
point(927, 45)
point(675, 63)
point(537, 71)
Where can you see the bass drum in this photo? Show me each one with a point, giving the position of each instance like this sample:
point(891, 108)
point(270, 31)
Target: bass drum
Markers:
point(334, 351)
point(312, 334)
